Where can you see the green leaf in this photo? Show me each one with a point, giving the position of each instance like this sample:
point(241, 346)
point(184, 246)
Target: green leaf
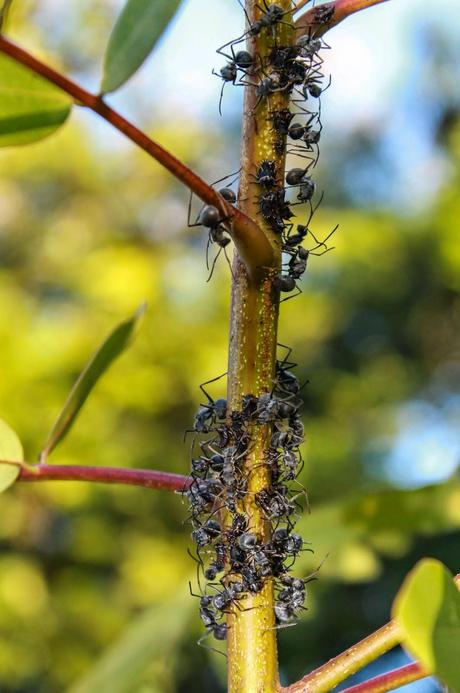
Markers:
point(112, 347)
point(30, 107)
point(150, 640)
point(134, 36)
point(5, 8)
point(427, 610)
point(10, 451)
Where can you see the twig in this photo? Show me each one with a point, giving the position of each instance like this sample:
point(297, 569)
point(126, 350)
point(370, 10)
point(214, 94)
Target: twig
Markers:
point(323, 17)
point(250, 240)
point(148, 478)
point(390, 680)
point(326, 677)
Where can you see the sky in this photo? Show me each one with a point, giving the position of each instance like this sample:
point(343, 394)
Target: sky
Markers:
point(379, 79)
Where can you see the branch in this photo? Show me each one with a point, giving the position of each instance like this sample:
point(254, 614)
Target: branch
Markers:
point(147, 478)
point(250, 240)
point(390, 680)
point(321, 18)
point(352, 660)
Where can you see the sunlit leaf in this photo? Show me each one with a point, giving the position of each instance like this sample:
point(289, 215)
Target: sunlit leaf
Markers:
point(30, 107)
point(112, 347)
point(134, 36)
point(427, 611)
point(152, 638)
point(5, 7)
point(10, 451)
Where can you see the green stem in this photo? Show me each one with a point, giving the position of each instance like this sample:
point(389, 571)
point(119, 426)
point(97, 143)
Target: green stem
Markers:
point(326, 677)
point(252, 647)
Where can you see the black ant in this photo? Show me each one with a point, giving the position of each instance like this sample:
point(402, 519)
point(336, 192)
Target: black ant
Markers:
point(243, 60)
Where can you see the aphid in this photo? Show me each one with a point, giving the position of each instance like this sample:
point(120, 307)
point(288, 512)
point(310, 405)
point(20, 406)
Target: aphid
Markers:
point(281, 120)
point(323, 14)
point(266, 173)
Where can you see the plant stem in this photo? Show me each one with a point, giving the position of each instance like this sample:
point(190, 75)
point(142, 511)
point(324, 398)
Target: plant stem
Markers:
point(326, 677)
point(147, 478)
point(390, 680)
point(251, 242)
point(339, 10)
point(252, 649)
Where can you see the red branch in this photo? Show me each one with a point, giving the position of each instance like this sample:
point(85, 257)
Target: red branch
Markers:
point(321, 18)
point(390, 680)
point(250, 240)
point(147, 478)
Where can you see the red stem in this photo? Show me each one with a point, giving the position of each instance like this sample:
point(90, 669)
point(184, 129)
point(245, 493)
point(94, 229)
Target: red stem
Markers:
point(334, 12)
point(147, 478)
point(390, 680)
point(249, 238)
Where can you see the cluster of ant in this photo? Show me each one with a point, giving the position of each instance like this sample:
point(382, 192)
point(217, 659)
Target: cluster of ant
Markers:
point(233, 558)
point(295, 71)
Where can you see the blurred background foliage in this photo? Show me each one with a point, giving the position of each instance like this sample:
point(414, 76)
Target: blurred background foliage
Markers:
point(89, 228)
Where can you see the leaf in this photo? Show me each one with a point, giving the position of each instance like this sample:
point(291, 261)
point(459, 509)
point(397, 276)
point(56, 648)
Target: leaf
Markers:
point(30, 107)
point(134, 36)
point(427, 611)
point(112, 347)
point(150, 639)
point(5, 8)
point(10, 451)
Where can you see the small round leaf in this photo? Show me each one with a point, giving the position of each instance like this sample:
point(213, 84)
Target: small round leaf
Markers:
point(427, 611)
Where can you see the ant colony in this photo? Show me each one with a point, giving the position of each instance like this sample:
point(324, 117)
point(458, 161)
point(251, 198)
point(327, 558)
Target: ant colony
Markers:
point(232, 559)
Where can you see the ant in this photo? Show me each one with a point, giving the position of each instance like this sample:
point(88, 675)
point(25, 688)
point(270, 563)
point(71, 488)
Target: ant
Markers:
point(243, 61)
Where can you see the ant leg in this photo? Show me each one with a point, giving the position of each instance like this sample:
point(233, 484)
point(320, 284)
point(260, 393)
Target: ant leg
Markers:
point(279, 627)
point(208, 647)
point(286, 358)
point(229, 264)
point(323, 242)
point(213, 263)
point(230, 175)
point(232, 43)
point(192, 594)
point(207, 382)
point(199, 564)
point(220, 98)
point(288, 298)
